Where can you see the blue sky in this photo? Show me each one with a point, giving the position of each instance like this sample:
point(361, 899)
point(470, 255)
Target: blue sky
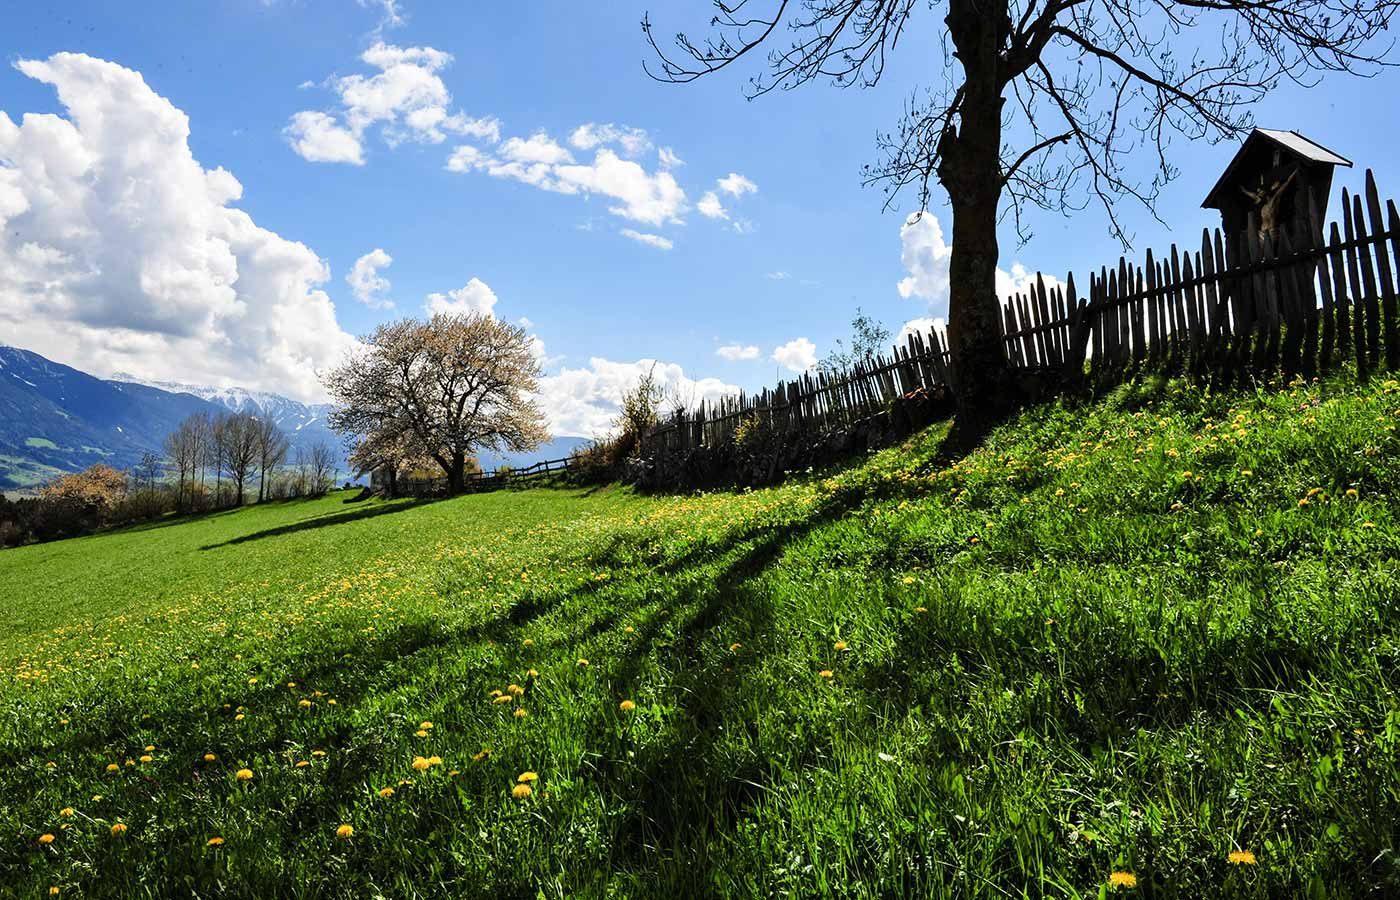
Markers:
point(598, 300)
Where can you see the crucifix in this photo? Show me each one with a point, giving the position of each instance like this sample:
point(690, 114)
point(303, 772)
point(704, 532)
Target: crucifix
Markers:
point(1267, 200)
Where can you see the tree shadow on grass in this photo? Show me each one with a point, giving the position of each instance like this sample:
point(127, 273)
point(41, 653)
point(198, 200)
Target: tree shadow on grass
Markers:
point(339, 518)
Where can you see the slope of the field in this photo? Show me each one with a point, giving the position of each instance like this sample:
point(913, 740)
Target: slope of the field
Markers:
point(1133, 638)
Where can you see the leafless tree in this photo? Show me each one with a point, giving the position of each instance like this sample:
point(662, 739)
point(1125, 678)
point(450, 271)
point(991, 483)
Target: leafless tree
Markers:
point(272, 451)
point(320, 460)
point(443, 389)
point(1045, 102)
point(238, 440)
point(216, 453)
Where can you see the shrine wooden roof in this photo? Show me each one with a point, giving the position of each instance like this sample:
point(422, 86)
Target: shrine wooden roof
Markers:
point(1301, 147)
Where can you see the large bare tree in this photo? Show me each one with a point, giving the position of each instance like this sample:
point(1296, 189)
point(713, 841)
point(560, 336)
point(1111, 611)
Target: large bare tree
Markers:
point(272, 448)
point(1046, 102)
point(441, 389)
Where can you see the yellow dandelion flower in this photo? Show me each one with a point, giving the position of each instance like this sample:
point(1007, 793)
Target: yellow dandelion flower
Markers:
point(96, 797)
point(478, 757)
point(627, 706)
point(426, 726)
point(150, 748)
point(301, 764)
point(209, 757)
point(583, 662)
point(839, 646)
point(244, 774)
point(345, 831)
point(130, 762)
point(733, 647)
point(1123, 879)
point(318, 753)
point(421, 763)
point(825, 673)
point(521, 791)
point(1242, 858)
point(238, 718)
point(252, 681)
point(147, 758)
point(435, 760)
point(533, 673)
point(291, 684)
point(420, 733)
point(66, 811)
point(628, 630)
point(921, 609)
point(386, 792)
point(119, 829)
point(1351, 492)
point(331, 702)
point(504, 698)
point(527, 776)
point(521, 713)
point(46, 839)
point(1368, 524)
point(113, 767)
point(528, 642)
point(54, 891)
point(514, 689)
point(214, 842)
point(304, 704)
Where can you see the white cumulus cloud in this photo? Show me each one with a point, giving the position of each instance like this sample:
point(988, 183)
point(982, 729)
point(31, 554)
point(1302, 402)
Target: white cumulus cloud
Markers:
point(632, 140)
point(710, 207)
point(406, 100)
point(585, 401)
point(474, 296)
point(797, 355)
point(120, 251)
point(366, 283)
point(735, 352)
point(925, 254)
point(651, 240)
point(737, 184)
point(667, 158)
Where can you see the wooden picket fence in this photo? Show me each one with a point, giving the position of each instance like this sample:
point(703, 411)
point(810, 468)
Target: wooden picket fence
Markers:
point(1250, 307)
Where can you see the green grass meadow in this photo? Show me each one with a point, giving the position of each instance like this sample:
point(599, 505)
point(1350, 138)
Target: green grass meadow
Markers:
point(1133, 637)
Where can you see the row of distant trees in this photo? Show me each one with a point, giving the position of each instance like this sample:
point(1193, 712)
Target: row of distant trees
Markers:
point(209, 462)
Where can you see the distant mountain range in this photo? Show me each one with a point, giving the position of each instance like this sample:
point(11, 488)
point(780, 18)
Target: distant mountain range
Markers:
point(56, 419)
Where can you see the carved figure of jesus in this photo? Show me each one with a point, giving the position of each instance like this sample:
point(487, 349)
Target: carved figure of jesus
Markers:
point(1267, 201)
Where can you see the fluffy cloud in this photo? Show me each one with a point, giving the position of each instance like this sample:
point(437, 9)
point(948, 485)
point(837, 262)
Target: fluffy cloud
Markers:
point(921, 326)
point(797, 355)
point(649, 198)
point(119, 251)
point(667, 158)
point(406, 99)
point(585, 401)
point(710, 207)
point(651, 240)
point(735, 352)
point(632, 140)
point(318, 137)
point(365, 281)
point(736, 184)
point(925, 254)
point(474, 296)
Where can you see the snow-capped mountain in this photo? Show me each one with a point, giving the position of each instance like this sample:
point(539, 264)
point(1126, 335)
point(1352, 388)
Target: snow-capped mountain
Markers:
point(292, 416)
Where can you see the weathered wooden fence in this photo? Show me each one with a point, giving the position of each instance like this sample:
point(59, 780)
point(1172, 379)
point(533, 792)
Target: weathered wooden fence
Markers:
point(489, 481)
point(1248, 307)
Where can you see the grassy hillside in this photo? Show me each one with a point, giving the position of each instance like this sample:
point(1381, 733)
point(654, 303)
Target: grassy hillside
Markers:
point(1134, 638)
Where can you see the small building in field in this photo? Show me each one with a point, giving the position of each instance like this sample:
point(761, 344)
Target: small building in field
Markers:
point(1276, 182)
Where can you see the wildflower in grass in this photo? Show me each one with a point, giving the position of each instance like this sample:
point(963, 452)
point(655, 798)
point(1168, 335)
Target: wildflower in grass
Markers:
point(96, 798)
point(318, 753)
point(528, 642)
point(1303, 502)
point(521, 713)
point(504, 698)
point(1368, 524)
point(291, 684)
point(252, 681)
point(214, 842)
point(583, 662)
point(920, 609)
point(1351, 493)
point(533, 673)
point(526, 777)
point(304, 704)
point(839, 646)
point(54, 891)
point(244, 774)
point(66, 811)
point(425, 726)
point(130, 762)
point(238, 718)
point(147, 758)
point(331, 701)
point(150, 748)
point(421, 764)
point(478, 757)
point(515, 689)
point(628, 630)
point(386, 792)
point(301, 764)
point(420, 733)
point(46, 839)
point(826, 673)
point(209, 757)
point(345, 831)
point(627, 706)
point(1123, 879)
point(734, 647)
point(435, 760)
point(521, 791)
point(119, 829)
point(1242, 858)
point(452, 772)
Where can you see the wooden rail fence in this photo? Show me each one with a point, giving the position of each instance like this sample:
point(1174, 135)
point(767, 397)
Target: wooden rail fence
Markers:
point(489, 481)
point(1248, 307)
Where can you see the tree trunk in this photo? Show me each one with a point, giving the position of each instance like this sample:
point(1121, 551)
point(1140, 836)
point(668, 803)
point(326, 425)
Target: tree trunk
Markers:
point(455, 472)
point(262, 480)
point(970, 170)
